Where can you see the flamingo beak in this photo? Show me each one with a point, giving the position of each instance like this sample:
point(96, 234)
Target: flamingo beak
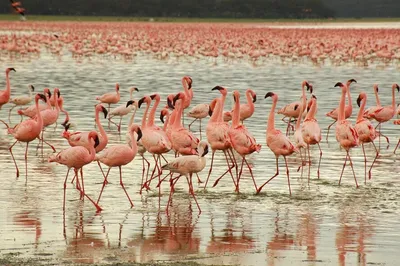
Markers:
point(398, 88)
point(339, 84)
point(139, 133)
point(96, 141)
point(104, 110)
point(140, 102)
point(153, 96)
point(12, 69)
point(210, 111)
point(130, 102)
point(269, 94)
point(135, 89)
point(32, 88)
point(178, 96)
point(162, 117)
point(359, 101)
point(205, 151)
point(352, 80)
point(169, 103)
point(254, 98)
point(217, 88)
point(58, 94)
point(43, 97)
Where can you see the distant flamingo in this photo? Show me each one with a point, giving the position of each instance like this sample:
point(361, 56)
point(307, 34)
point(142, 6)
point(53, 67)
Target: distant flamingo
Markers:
point(110, 98)
point(26, 131)
point(119, 155)
point(277, 142)
point(187, 166)
point(366, 132)
point(385, 113)
point(311, 133)
point(346, 135)
point(21, 100)
point(122, 110)
point(199, 112)
point(217, 135)
point(242, 140)
point(82, 138)
point(77, 157)
point(334, 114)
point(373, 108)
point(5, 94)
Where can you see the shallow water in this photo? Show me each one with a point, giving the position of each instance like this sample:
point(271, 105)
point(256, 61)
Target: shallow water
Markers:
point(321, 224)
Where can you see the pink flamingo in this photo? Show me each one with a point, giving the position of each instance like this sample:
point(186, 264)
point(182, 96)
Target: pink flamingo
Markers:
point(385, 113)
point(31, 111)
point(373, 108)
point(21, 100)
point(26, 131)
point(122, 110)
point(82, 138)
point(366, 132)
point(334, 114)
point(187, 89)
point(346, 135)
point(277, 142)
point(110, 98)
point(242, 140)
point(311, 133)
point(298, 137)
point(119, 155)
point(5, 94)
point(187, 166)
point(77, 157)
point(198, 112)
point(217, 135)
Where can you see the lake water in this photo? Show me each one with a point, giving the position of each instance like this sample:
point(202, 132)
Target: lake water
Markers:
point(320, 224)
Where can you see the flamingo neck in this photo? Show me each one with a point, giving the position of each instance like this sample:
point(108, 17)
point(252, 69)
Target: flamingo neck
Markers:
point(167, 121)
point(178, 116)
point(341, 115)
point(250, 101)
point(236, 114)
point(56, 103)
point(215, 117)
point(134, 146)
point(393, 99)
point(361, 112)
point(131, 95)
point(153, 113)
point(313, 110)
point(39, 115)
point(349, 96)
point(299, 118)
point(92, 150)
point(303, 100)
point(378, 102)
point(101, 129)
point(144, 118)
point(271, 118)
point(221, 111)
point(8, 87)
point(132, 118)
point(30, 92)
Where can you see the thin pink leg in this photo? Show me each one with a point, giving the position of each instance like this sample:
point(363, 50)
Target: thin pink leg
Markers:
point(104, 176)
point(209, 171)
point(192, 191)
point(65, 187)
point(277, 173)
point(230, 167)
point(309, 163)
point(351, 165)
point(344, 165)
point(98, 208)
point(240, 174)
point(329, 127)
point(170, 194)
point(12, 155)
point(192, 123)
point(26, 160)
point(396, 147)
point(372, 165)
point(122, 185)
point(198, 179)
point(251, 173)
point(287, 174)
point(105, 182)
point(320, 158)
point(365, 164)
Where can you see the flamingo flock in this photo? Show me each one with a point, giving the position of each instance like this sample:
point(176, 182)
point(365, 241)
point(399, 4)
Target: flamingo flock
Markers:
point(233, 139)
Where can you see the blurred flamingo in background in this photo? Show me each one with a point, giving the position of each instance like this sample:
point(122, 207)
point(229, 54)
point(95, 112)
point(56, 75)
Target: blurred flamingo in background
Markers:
point(110, 98)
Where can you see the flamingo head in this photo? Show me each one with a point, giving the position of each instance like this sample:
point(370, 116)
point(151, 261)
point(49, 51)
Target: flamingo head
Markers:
point(179, 96)
point(116, 87)
point(57, 92)
point(351, 81)
point(41, 97)
point(170, 99)
point(339, 84)
point(274, 96)
point(376, 89)
point(311, 102)
point(236, 96)
point(101, 108)
point(222, 90)
point(253, 95)
point(10, 69)
point(131, 103)
point(93, 135)
point(308, 85)
point(136, 128)
point(47, 92)
point(360, 98)
point(164, 112)
point(32, 88)
point(396, 86)
point(155, 96)
point(203, 147)
point(145, 99)
point(189, 82)
point(133, 89)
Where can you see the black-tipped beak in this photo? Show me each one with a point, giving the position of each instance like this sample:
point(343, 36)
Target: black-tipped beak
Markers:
point(254, 98)
point(130, 102)
point(217, 88)
point(308, 109)
point(66, 125)
point(43, 97)
point(162, 117)
point(177, 97)
point(315, 97)
point(205, 151)
point(139, 134)
point(58, 94)
point(12, 69)
point(96, 141)
point(210, 111)
point(296, 106)
point(32, 88)
point(140, 102)
point(49, 93)
point(135, 89)
point(170, 105)
point(339, 84)
point(234, 98)
point(104, 110)
point(359, 101)
point(352, 80)
point(152, 96)
point(377, 89)
point(398, 88)
point(269, 94)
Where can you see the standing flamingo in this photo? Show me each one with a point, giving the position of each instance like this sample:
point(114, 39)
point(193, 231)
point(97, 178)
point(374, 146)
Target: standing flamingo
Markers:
point(334, 114)
point(373, 108)
point(187, 166)
point(119, 155)
point(346, 135)
point(199, 112)
point(242, 141)
point(26, 131)
point(77, 157)
point(110, 98)
point(5, 94)
point(21, 100)
point(122, 110)
point(311, 133)
point(366, 132)
point(31, 110)
point(277, 142)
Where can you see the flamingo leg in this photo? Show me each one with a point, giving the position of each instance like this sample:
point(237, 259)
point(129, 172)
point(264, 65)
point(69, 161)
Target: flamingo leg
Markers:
point(83, 184)
point(147, 172)
point(109, 106)
point(98, 208)
point(192, 191)
point(277, 173)
point(105, 182)
point(396, 147)
point(170, 194)
point(65, 187)
point(287, 174)
point(26, 160)
point(329, 127)
point(288, 126)
point(104, 176)
point(233, 160)
point(320, 158)
point(209, 171)
point(230, 167)
point(373, 162)
point(122, 185)
point(251, 173)
point(344, 165)
point(351, 165)
point(12, 155)
point(119, 125)
point(309, 163)
point(9, 113)
point(238, 177)
point(365, 164)
point(198, 179)
point(200, 128)
point(192, 122)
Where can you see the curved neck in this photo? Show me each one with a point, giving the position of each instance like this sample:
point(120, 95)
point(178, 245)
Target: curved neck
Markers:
point(132, 118)
point(134, 146)
point(236, 114)
point(221, 111)
point(313, 110)
point(361, 111)
point(250, 101)
point(39, 115)
point(166, 122)
point(153, 112)
point(144, 118)
point(92, 150)
point(341, 115)
point(378, 102)
point(394, 98)
point(101, 129)
point(215, 117)
point(30, 92)
point(271, 118)
point(178, 116)
point(299, 118)
point(131, 95)
point(349, 96)
point(56, 103)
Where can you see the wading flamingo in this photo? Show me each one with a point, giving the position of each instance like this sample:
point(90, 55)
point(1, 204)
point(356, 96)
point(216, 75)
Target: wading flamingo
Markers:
point(366, 132)
point(21, 100)
point(199, 112)
point(77, 157)
point(311, 133)
point(278, 143)
point(187, 89)
point(5, 94)
point(246, 109)
point(119, 155)
point(110, 98)
point(187, 166)
point(26, 131)
point(242, 140)
point(373, 108)
point(122, 110)
point(31, 110)
point(334, 114)
point(346, 135)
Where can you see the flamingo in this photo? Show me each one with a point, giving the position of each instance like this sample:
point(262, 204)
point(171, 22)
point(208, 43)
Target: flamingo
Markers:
point(198, 112)
point(26, 131)
point(5, 94)
point(346, 135)
point(334, 114)
point(110, 98)
point(366, 132)
point(187, 166)
point(31, 110)
point(217, 134)
point(122, 110)
point(76, 157)
point(82, 138)
point(242, 140)
point(246, 109)
point(374, 108)
point(119, 155)
point(298, 136)
point(21, 100)
point(311, 133)
point(277, 142)
point(385, 113)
